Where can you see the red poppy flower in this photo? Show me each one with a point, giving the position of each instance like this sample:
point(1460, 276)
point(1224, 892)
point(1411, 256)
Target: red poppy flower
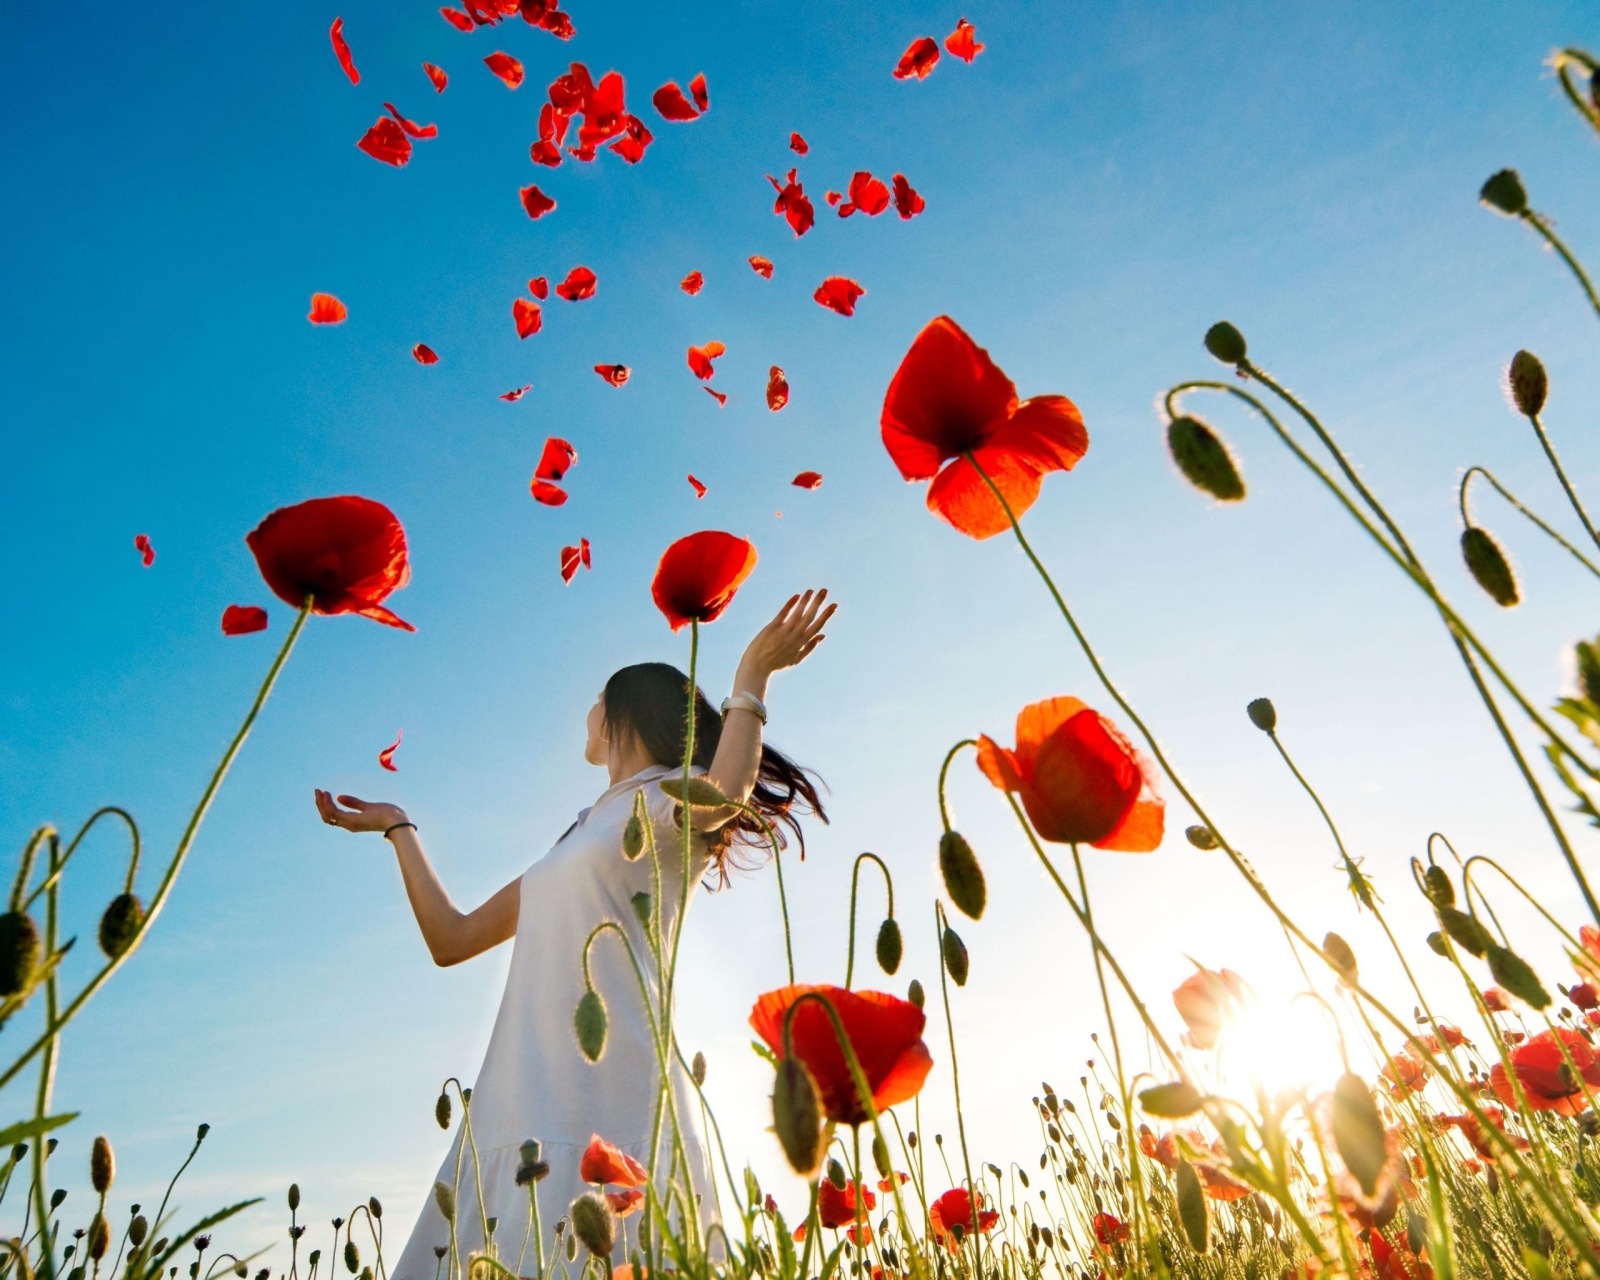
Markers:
point(506, 67)
point(777, 389)
point(527, 316)
point(615, 374)
point(1404, 1074)
point(700, 359)
point(558, 458)
point(1207, 1001)
point(387, 141)
point(513, 396)
point(839, 293)
point(908, 204)
point(535, 201)
point(411, 127)
point(699, 92)
point(606, 1165)
point(692, 283)
point(636, 138)
point(793, 204)
point(885, 1032)
point(1448, 1036)
point(347, 553)
point(670, 101)
point(867, 194)
point(955, 1209)
point(1549, 1083)
point(699, 489)
point(578, 285)
point(721, 397)
point(341, 50)
point(962, 43)
point(699, 575)
point(1497, 1000)
point(1080, 780)
point(147, 552)
point(623, 1203)
point(948, 398)
point(918, 60)
point(1472, 1131)
point(457, 19)
point(550, 495)
point(1392, 1262)
point(836, 1206)
point(242, 619)
point(761, 266)
point(386, 756)
point(1583, 996)
point(798, 145)
point(326, 309)
point(437, 75)
point(424, 354)
point(1109, 1230)
point(808, 480)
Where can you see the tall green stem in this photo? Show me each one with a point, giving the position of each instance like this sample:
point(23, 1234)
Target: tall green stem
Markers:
point(1561, 475)
point(955, 1080)
point(855, 877)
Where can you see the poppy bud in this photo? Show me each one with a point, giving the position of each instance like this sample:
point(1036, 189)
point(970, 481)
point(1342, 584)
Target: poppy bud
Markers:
point(1225, 342)
point(891, 946)
point(99, 1236)
point(374, 1207)
point(18, 1151)
point(160, 1247)
point(641, 908)
point(1344, 959)
point(1588, 662)
point(955, 957)
point(1436, 943)
point(697, 1068)
point(591, 1024)
point(200, 1133)
point(315, 1256)
point(1200, 837)
point(633, 838)
point(1204, 460)
point(120, 924)
point(19, 952)
point(352, 1257)
point(836, 1175)
point(572, 1248)
point(466, 1098)
point(1192, 1211)
point(1263, 715)
point(294, 1196)
point(1464, 930)
point(1170, 1101)
point(1529, 383)
point(915, 994)
point(594, 1223)
point(441, 1110)
point(880, 1156)
point(1436, 880)
point(701, 793)
point(444, 1195)
point(963, 877)
point(1489, 568)
point(797, 1116)
point(530, 1171)
point(1504, 193)
point(102, 1164)
point(1513, 973)
point(1358, 1132)
point(138, 1229)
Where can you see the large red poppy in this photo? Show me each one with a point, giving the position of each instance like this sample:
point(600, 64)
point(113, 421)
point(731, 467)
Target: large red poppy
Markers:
point(347, 553)
point(948, 399)
point(1080, 780)
point(606, 1165)
point(836, 1207)
point(955, 1209)
point(884, 1031)
point(698, 576)
point(1549, 1083)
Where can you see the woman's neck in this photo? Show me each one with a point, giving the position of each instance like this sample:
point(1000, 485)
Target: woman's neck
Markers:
point(625, 763)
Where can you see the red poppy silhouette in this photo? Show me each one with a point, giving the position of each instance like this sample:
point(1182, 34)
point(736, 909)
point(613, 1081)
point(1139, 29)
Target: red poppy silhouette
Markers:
point(578, 285)
point(700, 359)
point(721, 397)
point(506, 67)
point(918, 60)
point(386, 141)
point(1207, 1001)
point(437, 75)
point(670, 101)
point(513, 396)
point(808, 480)
point(699, 489)
point(326, 309)
point(534, 201)
point(955, 1209)
point(411, 128)
point(424, 354)
point(793, 203)
point(867, 194)
point(761, 266)
point(699, 575)
point(550, 495)
point(386, 756)
point(242, 619)
point(836, 1206)
point(527, 316)
point(1549, 1083)
point(341, 50)
point(539, 287)
point(948, 399)
point(615, 374)
point(558, 458)
point(347, 553)
point(606, 1165)
point(692, 283)
point(839, 293)
point(907, 203)
point(798, 145)
point(777, 389)
point(962, 42)
point(1080, 780)
point(457, 19)
point(885, 1032)
point(699, 92)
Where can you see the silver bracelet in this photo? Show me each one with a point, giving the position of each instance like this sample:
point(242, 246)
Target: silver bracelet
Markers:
point(746, 702)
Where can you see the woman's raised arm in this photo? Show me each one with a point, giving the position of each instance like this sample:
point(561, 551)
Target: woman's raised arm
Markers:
point(451, 934)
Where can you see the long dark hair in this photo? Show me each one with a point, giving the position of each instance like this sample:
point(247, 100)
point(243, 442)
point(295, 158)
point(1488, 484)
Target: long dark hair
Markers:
point(649, 699)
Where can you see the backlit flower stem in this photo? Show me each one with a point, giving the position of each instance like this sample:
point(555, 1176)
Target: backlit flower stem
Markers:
point(773, 843)
point(1562, 62)
point(1505, 493)
point(47, 1070)
point(855, 876)
point(1542, 227)
point(955, 1078)
point(944, 773)
point(1561, 475)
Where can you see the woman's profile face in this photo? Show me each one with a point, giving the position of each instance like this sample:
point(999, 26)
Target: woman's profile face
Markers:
point(594, 745)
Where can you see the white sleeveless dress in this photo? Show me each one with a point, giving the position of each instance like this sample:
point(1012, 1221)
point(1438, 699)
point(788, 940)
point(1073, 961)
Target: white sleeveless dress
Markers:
point(534, 1082)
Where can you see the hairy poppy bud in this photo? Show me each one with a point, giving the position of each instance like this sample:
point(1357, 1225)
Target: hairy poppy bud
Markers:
point(915, 994)
point(200, 1133)
point(18, 1151)
point(441, 1110)
point(1344, 959)
point(294, 1196)
point(1464, 930)
point(880, 1155)
point(641, 908)
point(1529, 383)
point(1489, 568)
point(1170, 1101)
point(594, 1224)
point(374, 1207)
point(572, 1248)
point(591, 1024)
point(1204, 459)
point(1504, 193)
point(1358, 1132)
point(99, 1236)
point(19, 952)
point(891, 946)
point(138, 1229)
point(1587, 658)
point(1263, 714)
point(1513, 973)
point(1436, 880)
point(797, 1116)
point(352, 1256)
point(102, 1165)
point(160, 1247)
point(701, 793)
point(836, 1175)
point(963, 877)
point(1436, 943)
point(1192, 1212)
point(697, 1067)
point(633, 838)
point(444, 1195)
point(955, 957)
point(120, 924)
point(1225, 342)
point(1200, 837)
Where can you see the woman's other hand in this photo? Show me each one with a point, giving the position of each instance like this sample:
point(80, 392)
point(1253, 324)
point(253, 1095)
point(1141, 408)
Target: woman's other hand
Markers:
point(786, 640)
point(357, 814)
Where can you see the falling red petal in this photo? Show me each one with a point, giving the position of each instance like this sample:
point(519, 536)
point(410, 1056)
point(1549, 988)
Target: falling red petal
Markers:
point(798, 145)
point(506, 67)
point(514, 396)
point(386, 756)
point(583, 550)
point(437, 75)
point(326, 309)
point(833, 197)
point(545, 153)
point(341, 50)
point(807, 480)
point(793, 204)
point(615, 374)
point(570, 559)
point(699, 489)
point(906, 200)
point(692, 283)
point(535, 201)
point(411, 127)
point(424, 354)
point(242, 619)
point(918, 60)
point(961, 42)
point(761, 266)
point(558, 24)
point(720, 397)
point(527, 316)
point(777, 389)
point(578, 285)
point(700, 359)
point(631, 147)
point(697, 89)
point(539, 287)
point(457, 19)
point(551, 495)
point(147, 553)
point(672, 105)
point(839, 293)
point(386, 141)
point(867, 195)
point(558, 458)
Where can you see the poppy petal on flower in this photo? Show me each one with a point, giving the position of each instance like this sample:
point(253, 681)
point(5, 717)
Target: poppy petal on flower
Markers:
point(798, 145)
point(884, 1031)
point(437, 75)
point(387, 141)
point(606, 1165)
point(793, 204)
point(836, 1206)
point(692, 283)
point(326, 309)
point(839, 293)
point(962, 43)
point(506, 67)
point(457, 19)
point(528, 317)
point(1548, 1082)
point(539, 287)
point(386, 756)
point(547, 494)
point(1207, 1001)
point(341, 50)
point(955, 1208)
point(761, 266)
point(777, 389)
point(721, 397)
point(670, 102)
point(699, 575)
point(699, 92)
point(700, 359)
point(699, 489)
point(1109, 1230)
point(918, 60)
point(347, 553)
point(615, 374)
point(558, 458)
point(424, 354)
point(908, 204)
point(807, 480)
point(146, 550)
point(242, 619)
point(535, 201)
point(579, 284)
point(625, 1202)
point(517, 393)
point(868, 195)
point(411, 127)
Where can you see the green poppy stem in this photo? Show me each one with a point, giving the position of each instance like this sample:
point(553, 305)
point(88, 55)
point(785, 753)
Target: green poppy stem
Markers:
point(1511, 498)
point(855, 878)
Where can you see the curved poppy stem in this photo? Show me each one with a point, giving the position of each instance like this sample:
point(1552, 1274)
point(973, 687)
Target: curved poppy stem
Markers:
point(1561, 475)
point(1541, 225)
point(1561, 62)
point(944, 773)
point(54, 877)
point(1466, 874)
point(1505, 493)
point(955, 1077)
point(855, 876)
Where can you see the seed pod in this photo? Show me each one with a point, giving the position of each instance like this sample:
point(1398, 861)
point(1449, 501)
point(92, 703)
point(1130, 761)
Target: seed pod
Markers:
point(701, 792)
point(199, 1133)
point(1436, 880)
point(19, 953)
point(102, 1165)
point(1344, 959)
point(1358, 1132)
point(441, 1110)
point(1200, 837)
point(641, 908)
point(1513, 973)
point(836, 1175)
point(963, 877)
point(572, 1248)
point(18, 1151)
point(138, 1229)
point(1504, 193)
point(591, 1024)
point(1170, 1101)
point(160, 1247)
point(1436, 943)
point(594, 1224)
point(530, 1171)
point(1489, 568)
point(374, 1207)
point(955, 957)
point(915, 994)
point(1192, 1212)
point(633, 838)
point(1588, 664)
point(294, 1196)
point(1529, 383)
point(1263, 714)
point(697, 1068)
point(1464, 930)
point(797, 1116)
point(880, 1156)
point(99, 1236)
point(891, 946)
point(119, 924)
point(352, 1256)
point(1225, 342)
point(444, 1195)
point(57, 1196)
point(1204, 459)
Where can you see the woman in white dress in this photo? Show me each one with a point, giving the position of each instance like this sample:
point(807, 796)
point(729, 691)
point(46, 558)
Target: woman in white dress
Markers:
point(534, 1082)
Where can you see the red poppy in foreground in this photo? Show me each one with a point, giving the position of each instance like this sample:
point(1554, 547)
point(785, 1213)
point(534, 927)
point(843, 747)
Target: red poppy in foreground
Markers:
point(578, 285)
point(147, 552)
point(798, 145)
point(700, 359)
point(326, 309)
point(437, 75)
point(918, 60)
point(1548, 1081)
point(386, 141)
point(606, 1165)
point(1207, 1001)
point(955, 1209)
point(386, 756)
point(692, 283)
point(699, 575)
point(242, 619)
point(348, 554)
point(1583, 996)
point(557, 459)
point(424, 354)
point(907, 203)
point(962, 42)
point(793, 203)
point(506, 67)
point(1393, 1262)
point(699, 489)
point(761, 266)
point(949, 399)
point(528, 317)
point(341, 50)
point(836, 1207)
point(839, 293)
point(615, 374)
point(670, 101)
point(535, 201)
point(1080, 780)
point(867, 194)
point(808, 480)
point(884, 1031)
point(777, 389)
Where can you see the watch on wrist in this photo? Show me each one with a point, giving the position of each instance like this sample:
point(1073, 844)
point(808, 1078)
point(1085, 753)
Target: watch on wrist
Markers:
point(746, 702)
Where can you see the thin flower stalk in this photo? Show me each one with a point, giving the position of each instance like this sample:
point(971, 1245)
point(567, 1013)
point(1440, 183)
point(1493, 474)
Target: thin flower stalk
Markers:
point(1505, 493)
point(940, 926)
point(855, 879)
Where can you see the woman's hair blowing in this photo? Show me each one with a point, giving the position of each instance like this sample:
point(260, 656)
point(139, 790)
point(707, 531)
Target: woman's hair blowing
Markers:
point(649, 699)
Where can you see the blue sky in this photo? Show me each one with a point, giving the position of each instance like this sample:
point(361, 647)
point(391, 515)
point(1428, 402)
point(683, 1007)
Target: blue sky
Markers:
point(1102, 183)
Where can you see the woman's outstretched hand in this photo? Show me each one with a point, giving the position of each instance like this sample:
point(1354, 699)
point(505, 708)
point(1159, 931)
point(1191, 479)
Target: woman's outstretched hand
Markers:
point(788, 638)
point(358, 815)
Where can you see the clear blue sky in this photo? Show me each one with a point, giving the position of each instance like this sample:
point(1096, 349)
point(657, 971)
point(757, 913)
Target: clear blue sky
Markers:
point(1101, 184)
